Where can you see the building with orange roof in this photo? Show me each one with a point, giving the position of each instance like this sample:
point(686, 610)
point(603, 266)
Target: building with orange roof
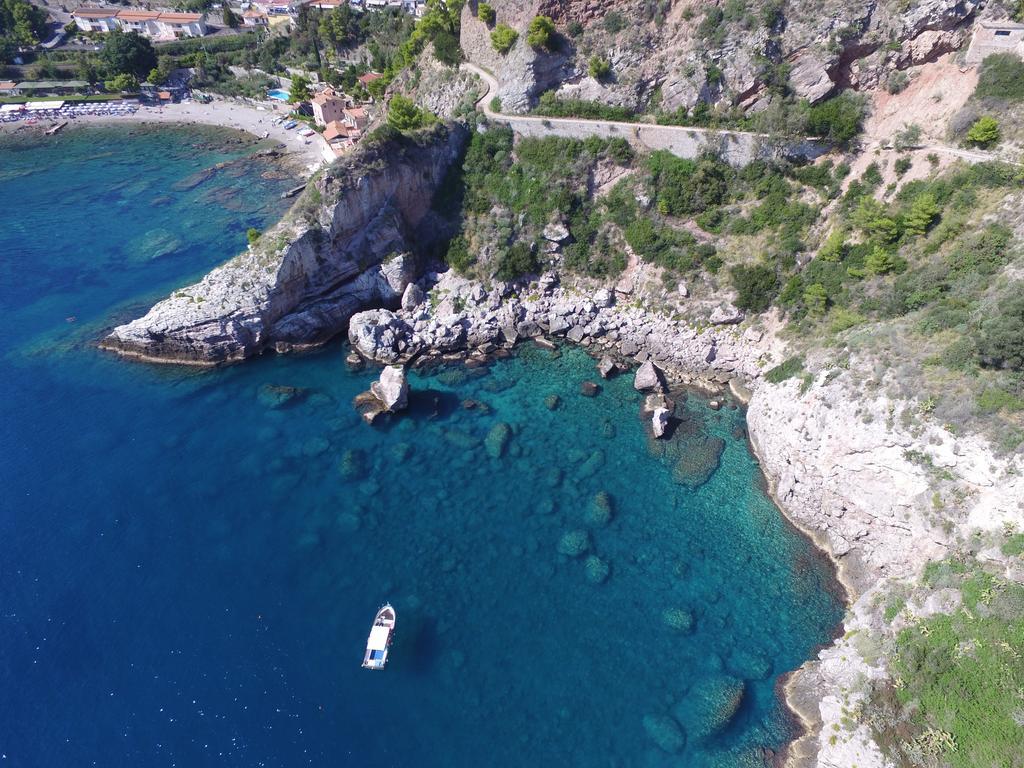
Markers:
point(161, 25)
point(355, 118)
point(328, 107)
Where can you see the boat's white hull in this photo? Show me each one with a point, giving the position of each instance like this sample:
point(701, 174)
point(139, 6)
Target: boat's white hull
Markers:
point(379, 642)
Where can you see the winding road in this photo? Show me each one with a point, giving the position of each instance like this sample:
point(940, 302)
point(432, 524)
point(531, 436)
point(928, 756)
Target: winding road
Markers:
point(738, 147)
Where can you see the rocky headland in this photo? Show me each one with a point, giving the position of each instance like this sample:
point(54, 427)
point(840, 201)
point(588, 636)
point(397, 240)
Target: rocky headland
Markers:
point(350, 241)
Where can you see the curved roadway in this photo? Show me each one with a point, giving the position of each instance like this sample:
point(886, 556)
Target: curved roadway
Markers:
point(685, 141)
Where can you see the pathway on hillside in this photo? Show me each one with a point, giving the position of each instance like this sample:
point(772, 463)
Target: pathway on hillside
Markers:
point(738, 147)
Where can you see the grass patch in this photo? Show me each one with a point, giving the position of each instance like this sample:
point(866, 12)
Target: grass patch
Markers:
point(794, 366)
point(960, 679)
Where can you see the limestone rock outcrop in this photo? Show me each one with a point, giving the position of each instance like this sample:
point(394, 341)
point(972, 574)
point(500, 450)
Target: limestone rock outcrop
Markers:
point(332, 255)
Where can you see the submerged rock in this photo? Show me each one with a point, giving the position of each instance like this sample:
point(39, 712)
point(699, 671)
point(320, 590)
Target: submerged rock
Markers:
point(574, 543)
point(589, 389)
point(678, 619)
point(699, 461)
point(497, 440)
point(551, 402)
point(597, 570)
point(601, 509)
point(665, 732)
point(277, 396)
point(352, 464)
point(713, 704)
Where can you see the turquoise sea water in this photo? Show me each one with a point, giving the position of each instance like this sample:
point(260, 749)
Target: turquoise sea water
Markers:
point(190, 560)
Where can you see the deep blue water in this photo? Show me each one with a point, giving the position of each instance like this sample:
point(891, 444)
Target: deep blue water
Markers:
point(189, 567)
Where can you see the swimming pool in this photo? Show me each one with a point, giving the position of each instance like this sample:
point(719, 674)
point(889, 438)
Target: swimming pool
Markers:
point(278, 94)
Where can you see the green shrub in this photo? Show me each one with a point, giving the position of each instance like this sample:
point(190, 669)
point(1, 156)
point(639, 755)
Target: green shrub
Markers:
point(711, 29)
point(574, 28)
point(880, 261)
point(816, 300)
point(1014, 546)
point(902, 165)
point(834, 247)
point(984, 132)
point(687, 186)
point(1001, 77)
point(458, 256)
point(503, 38)
point(541, 33)
point(961, 355)
point(897, 82)
point(496, 105)
point(982, 254)
point(755, 286)
point(614, 22)
point(550, 105)
point(837, 119)
point(403, 115)
point(676, 251)
point(994, 400)
point(599, 67)
point(252, 235)
point(921, 215)
point(517, 261)
point(1001, 338)
point(787, 369)
point(485, 12)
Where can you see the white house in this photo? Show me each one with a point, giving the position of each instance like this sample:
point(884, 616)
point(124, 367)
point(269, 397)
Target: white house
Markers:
point(181, 24)
point(96, 19)
point(253, 18)
point(162, 25)
point(143, 22)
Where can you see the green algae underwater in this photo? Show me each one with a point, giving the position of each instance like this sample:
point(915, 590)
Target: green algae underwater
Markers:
point(190, 561)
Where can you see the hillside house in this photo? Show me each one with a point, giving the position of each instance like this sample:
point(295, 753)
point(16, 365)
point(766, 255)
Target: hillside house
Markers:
point(254, 18)
point(995, 37)
point(328, 107)
point(158, 25)
point(96, 19)
point(355, 119)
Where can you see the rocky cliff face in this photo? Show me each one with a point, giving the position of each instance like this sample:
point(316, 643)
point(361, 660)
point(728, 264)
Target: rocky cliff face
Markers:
point(882, 499)
point(726, 53)
point(350, 240)
point(522, 73)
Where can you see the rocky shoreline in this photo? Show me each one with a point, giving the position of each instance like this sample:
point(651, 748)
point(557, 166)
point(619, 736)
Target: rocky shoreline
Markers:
point(841, 472)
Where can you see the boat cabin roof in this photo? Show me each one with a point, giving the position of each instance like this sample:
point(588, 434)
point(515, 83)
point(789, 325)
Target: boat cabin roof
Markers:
point(378, 638)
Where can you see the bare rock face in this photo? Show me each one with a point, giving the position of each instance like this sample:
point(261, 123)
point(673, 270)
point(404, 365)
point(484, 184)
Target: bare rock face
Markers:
point(523, 73)
point(726, 314)
point(810, 79)
point(392, 389)
point(825, 43)
point(412, 297)
point(648, 378)
point(607, 367)
point(300, 284)
point(378, 334)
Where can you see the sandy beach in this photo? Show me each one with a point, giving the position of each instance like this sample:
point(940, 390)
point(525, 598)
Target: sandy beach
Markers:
point(221, 112)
